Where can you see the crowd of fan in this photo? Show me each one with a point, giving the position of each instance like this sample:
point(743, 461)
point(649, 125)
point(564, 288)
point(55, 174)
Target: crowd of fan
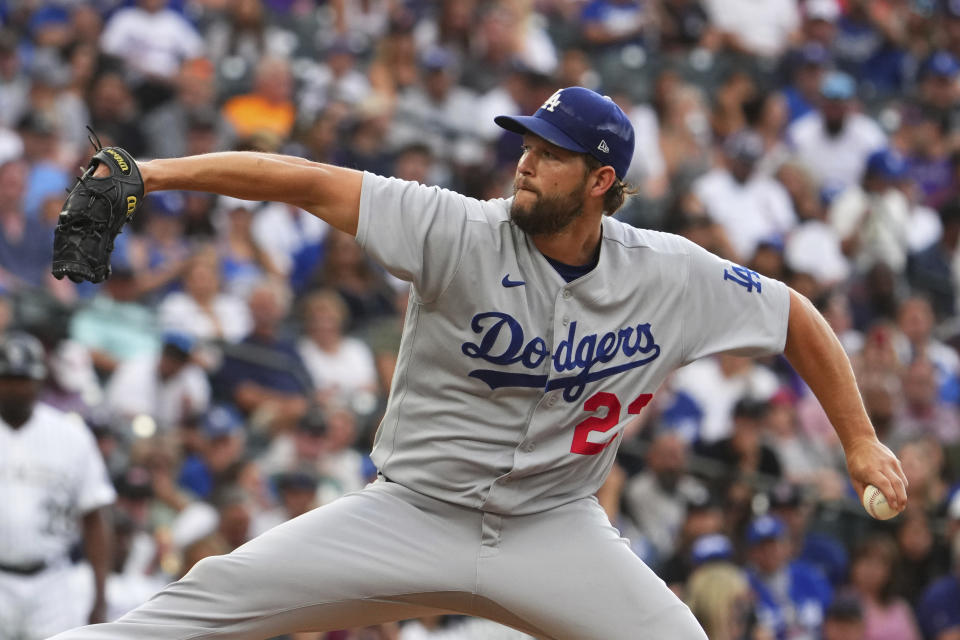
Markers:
point(234, 366)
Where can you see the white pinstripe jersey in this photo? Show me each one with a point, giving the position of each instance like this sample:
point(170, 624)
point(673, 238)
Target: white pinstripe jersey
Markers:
point(51, 473)
point(511, 383)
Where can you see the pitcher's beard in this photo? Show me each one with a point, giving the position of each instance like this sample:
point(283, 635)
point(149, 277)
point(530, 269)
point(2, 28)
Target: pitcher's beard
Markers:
point(548, 214)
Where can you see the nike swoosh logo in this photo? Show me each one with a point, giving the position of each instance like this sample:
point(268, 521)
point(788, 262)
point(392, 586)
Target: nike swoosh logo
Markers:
point(507, 282)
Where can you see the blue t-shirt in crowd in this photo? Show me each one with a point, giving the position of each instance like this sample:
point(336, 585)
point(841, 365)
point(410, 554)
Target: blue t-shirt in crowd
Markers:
point(934, 176)
point(195, 476)
point(797, 105)
point(939, 608)
point(880, 67)
point(275, 365)
point(809, 592)
point(28, 257)
point(613, 13)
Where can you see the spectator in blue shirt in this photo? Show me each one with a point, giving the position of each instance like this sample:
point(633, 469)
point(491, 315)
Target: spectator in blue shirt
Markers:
point(792, 597)
point(40, 148)
point(865, 49)
point(925, 130)
point(263, 373)
point(612, 23)
point(937, 83)
point(814, 548)
point(221, 445)
point(939, 608)
point(26, 245)
point(810, 64)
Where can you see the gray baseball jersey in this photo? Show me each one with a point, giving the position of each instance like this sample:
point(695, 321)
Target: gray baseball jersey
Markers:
point(511, 391)
point(512, 386)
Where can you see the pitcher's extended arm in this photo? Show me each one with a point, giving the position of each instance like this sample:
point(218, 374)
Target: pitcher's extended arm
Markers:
point(816, 354)
point(328, 192)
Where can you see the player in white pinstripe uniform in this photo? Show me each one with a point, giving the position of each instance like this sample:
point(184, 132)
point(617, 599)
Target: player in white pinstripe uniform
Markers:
point(52, 478)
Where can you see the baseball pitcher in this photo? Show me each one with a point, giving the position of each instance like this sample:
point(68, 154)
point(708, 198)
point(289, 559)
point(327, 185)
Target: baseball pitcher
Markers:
point(537, 328)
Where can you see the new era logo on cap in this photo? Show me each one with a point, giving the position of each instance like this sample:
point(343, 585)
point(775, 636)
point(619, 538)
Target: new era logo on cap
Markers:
point(580, 120)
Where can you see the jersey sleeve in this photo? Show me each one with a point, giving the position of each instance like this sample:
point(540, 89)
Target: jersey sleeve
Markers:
point(729, 308)
point(416, 232)
point(93, 488)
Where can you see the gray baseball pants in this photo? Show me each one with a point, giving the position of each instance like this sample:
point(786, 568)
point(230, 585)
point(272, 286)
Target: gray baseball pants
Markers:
point(388, 553)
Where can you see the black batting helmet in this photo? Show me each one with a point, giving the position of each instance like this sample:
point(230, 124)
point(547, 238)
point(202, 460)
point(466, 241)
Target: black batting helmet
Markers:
point(21, 356)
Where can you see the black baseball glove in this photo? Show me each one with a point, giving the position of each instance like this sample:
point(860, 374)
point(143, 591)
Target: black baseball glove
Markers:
point(94, 214)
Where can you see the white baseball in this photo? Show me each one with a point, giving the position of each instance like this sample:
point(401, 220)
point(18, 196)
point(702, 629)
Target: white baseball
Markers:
point(876, 505)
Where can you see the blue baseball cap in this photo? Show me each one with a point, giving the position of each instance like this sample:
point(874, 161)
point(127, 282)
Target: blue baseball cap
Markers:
point(437, 59)
point(712, 546)
point(814, 54)
point(180, 341)
point(886, 163)
point(940, 64)
point(837, 85)
point(581, 120)
point(765, 528)
point(165, 203)
point(221, 420)
point(745, 145)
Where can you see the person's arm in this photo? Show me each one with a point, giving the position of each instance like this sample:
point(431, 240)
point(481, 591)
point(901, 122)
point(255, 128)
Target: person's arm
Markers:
point(331, 193)
point(816, 354)
point(283, 408)
point(97, 549)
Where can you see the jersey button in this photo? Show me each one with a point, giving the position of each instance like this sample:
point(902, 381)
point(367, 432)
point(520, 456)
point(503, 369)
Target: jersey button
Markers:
point(566, 320)
point(529, 447)
point(566, 294)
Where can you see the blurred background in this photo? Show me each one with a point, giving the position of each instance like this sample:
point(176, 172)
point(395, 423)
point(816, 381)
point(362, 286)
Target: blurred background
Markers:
point(234, 368)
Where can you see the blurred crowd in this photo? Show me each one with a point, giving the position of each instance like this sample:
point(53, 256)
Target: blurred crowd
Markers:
point(234, 367)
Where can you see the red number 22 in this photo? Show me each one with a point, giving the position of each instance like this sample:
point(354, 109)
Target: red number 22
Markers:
point(603, 424)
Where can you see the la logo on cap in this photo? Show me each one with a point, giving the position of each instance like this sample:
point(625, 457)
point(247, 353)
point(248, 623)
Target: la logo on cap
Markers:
point(553, 101)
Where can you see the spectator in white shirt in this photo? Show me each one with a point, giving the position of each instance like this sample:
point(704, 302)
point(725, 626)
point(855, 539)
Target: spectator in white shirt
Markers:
point(813, 246)
point(339, 365)
point(201, 310)
point(820, 21)
point(152, 39)
point(164, 386)
point(872, 219)
point(715, 384)
point(749, 206)
point(765, 29)
point(835, 141)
